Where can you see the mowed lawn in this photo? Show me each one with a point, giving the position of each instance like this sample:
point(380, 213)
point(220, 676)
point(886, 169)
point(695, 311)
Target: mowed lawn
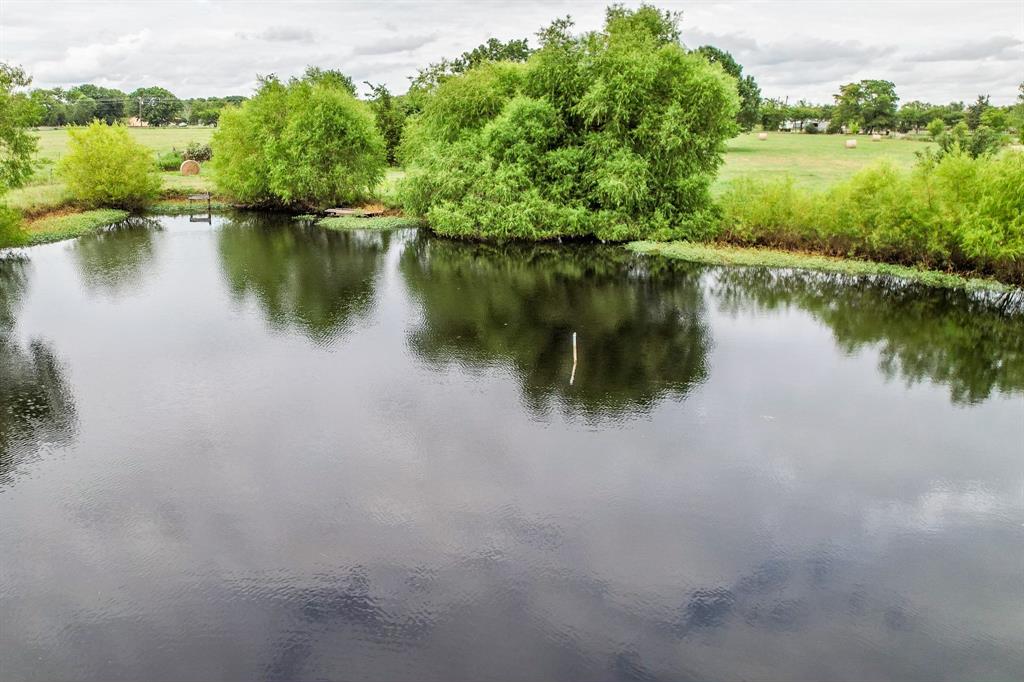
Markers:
point(813, 161)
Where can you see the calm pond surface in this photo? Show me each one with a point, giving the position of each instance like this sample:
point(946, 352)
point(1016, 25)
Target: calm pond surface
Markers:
point(255, 450)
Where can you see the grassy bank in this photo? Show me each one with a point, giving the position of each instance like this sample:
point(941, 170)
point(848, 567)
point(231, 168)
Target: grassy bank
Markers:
point(721, 254)
point(55, 228)
point(376, 223)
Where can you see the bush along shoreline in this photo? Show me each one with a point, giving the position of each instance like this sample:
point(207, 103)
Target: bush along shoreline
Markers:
point(954, 214)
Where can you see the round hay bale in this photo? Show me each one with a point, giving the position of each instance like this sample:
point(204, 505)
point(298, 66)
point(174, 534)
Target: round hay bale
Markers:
point(189, 167)
point(876, 137)
point(851, 144)
point(762, 136)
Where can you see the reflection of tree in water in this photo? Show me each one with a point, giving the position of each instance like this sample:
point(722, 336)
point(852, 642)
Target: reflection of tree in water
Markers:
point(641, 336)
point(115, 261)
point(36, 407)
point(318, 281)
point(973, 345)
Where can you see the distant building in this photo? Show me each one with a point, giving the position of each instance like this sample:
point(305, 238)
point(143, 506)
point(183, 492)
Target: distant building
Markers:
point(136, 122)
point(800, 126)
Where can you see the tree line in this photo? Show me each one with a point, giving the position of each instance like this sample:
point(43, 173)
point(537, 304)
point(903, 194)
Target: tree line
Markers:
point(158, 106)
point(872, 106)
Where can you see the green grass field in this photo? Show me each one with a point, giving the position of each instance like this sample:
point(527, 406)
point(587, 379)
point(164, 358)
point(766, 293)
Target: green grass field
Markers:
point(53, 143)
point(813, 161)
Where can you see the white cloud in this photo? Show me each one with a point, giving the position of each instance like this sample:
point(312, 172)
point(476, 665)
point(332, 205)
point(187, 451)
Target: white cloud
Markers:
point(395, 45)
point(1003, 48)
point(793, 49)
point(281, 34)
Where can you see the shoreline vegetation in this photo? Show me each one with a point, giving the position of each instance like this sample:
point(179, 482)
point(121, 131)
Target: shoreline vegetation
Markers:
point(752, 256)
point(61, 225)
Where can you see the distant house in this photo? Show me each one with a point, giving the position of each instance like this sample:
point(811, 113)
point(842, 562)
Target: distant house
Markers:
point(820, 125)
point(136, 122)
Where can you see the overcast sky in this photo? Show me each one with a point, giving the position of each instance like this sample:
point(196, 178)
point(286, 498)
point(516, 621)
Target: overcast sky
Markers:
point(935, 51)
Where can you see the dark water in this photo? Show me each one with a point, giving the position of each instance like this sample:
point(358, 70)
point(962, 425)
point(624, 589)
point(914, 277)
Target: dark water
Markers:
point(264, 451)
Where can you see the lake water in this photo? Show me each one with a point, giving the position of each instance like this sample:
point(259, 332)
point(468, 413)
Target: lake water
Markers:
point(255, 450)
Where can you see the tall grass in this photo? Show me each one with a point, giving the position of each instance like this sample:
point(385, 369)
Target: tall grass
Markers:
point(957, 213)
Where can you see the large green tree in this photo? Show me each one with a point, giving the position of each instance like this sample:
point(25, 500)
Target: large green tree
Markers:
point(51, 106)
point(155, 105)
point(108, 103)
point(871, 104)
point(746, 86)
point(616, 134)
point(307, 143)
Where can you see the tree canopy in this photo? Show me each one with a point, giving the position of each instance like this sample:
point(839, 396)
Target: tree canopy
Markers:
point(615, 133)
point(746, 86)
point(307, 143)
point(154, 105)
point(871, 104)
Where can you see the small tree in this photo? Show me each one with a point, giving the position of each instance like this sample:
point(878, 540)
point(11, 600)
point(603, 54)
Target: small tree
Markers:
point(104, 166)
point(773, 112)
point(974, 112)
point(936, 127)
point(982, 141)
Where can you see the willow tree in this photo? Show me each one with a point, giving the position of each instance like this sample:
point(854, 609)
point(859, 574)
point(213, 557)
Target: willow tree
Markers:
point(615, 134)
point(309, 142)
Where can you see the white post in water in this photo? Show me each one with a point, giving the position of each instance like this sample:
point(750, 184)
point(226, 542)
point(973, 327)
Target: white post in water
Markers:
point(572, 377)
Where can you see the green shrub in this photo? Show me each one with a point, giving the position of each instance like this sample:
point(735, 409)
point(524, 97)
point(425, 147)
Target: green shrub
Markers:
point(198, 151)
point(11, 231)
point(936, 127)
point(981, 141)
point(105, 167)
point(956, 212)
point(615, 134)
point(169, 161)
point(307, 143)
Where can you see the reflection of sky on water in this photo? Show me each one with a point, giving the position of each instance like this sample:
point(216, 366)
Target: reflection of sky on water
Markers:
point(259, 504)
